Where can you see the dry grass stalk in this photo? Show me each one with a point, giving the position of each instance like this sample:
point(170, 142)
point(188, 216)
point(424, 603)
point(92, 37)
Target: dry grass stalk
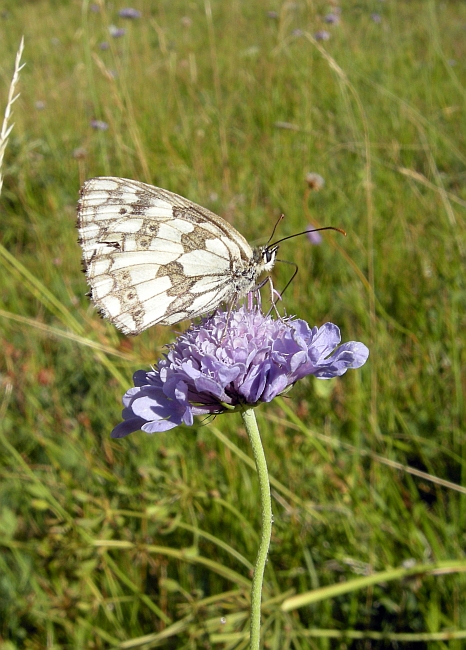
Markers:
point(6, 130)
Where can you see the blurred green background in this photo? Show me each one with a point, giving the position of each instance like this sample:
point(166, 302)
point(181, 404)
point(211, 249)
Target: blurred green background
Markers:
point(149, 541)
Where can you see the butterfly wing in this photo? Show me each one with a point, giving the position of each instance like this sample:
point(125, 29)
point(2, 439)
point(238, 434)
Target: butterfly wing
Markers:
point(153, 257)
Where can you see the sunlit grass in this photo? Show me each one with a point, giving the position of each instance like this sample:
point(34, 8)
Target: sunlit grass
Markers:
point(104, 542)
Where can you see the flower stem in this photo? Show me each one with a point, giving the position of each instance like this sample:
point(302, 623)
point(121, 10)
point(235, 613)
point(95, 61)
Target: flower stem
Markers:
point(250, 423)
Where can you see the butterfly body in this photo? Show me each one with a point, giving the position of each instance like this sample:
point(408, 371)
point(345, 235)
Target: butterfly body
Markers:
point(153, 257)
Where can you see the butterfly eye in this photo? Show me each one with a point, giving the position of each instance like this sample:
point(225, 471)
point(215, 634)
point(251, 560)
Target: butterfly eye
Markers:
point(269, 254)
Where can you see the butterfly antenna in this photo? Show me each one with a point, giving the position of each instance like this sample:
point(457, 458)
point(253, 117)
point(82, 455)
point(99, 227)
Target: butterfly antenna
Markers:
point(304, 232)
point(280, 218)
point(296, 268)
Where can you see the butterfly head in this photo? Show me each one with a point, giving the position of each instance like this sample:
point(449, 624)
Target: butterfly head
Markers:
point(264, 257)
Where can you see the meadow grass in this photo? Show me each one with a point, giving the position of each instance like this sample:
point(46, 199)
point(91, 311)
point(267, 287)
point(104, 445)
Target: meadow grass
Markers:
point(149, 541)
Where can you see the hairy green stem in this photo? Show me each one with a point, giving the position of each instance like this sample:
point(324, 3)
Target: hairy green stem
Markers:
point(250, 423)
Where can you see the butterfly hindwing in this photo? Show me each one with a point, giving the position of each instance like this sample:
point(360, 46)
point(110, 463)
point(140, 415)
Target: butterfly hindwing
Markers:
point(152, 256)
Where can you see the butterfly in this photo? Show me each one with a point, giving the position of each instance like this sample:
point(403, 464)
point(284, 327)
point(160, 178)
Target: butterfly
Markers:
point(153, 257)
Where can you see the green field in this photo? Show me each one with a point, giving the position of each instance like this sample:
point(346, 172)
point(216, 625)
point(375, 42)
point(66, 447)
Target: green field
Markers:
point(149, 541)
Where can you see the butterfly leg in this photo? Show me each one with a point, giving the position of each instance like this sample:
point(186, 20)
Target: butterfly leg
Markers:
point(231, 306)
point(274, 298)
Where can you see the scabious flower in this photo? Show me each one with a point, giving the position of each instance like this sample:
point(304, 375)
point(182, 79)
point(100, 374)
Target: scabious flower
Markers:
point(314, 237)
point(116, 32)
point(232, 360)
point(332, 19)
point(99, 125)
point(129, 12)
point(322, 35)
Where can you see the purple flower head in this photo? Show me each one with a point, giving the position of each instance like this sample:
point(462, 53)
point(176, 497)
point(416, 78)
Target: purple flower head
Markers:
point(377, 18)
point(129, 13)
point(314, 237)
point(229, 360)
point(99, 125)
point(332, 19)
point(322, 35)
point(116, 32)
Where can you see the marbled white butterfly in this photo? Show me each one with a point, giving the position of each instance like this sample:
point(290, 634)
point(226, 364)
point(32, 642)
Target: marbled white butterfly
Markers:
point(152, 257)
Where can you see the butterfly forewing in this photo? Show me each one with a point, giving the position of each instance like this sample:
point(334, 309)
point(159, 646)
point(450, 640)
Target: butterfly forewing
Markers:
point(153, 257)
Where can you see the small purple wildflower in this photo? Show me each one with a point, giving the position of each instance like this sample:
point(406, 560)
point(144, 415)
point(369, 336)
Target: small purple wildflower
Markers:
point(322, 35)
point(229, 360)
point(377, 18)
point(314, 237)
point(129, 13)
point(332, 19)
point(99, 125)
point(116, 32)
point(94, 8)
point(104, 45)
point(273, 14)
